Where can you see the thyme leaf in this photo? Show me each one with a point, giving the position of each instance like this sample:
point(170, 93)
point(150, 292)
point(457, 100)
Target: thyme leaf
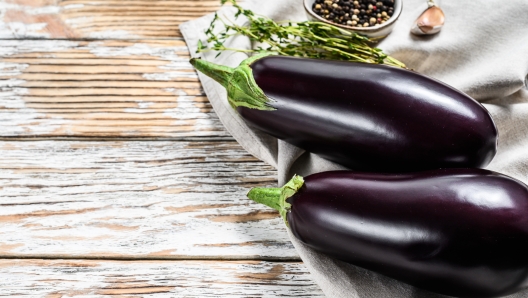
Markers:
point(302, 39)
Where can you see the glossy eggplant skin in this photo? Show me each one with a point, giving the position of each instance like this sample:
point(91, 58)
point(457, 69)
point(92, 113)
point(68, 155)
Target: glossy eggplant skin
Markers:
point(459, 232)
point(371, 117)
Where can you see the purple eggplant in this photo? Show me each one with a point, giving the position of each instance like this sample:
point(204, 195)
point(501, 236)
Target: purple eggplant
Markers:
point(364, 116)
point(458, 232)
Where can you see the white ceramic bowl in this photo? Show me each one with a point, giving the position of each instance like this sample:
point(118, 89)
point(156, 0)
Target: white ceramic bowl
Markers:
point(376, 31)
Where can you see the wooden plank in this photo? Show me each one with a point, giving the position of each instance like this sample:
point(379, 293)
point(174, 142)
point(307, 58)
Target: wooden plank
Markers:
point(98, 19)
point(113, 88)
point(136, 199)
point(68, 278)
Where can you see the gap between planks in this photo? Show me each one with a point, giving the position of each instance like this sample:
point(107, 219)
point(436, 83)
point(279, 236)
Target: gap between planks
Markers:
point(113, 139)
point(155, 258)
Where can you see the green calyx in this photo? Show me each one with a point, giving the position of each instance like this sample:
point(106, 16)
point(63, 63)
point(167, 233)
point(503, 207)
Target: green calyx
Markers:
point(276, 197)
point(242, 90)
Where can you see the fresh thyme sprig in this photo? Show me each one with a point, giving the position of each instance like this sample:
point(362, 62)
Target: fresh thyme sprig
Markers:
point(302, 39)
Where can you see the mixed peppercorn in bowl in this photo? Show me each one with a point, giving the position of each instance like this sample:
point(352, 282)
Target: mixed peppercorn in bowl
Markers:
point(373, 18)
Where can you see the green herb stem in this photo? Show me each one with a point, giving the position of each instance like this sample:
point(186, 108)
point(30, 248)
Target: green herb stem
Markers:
point(304, 39)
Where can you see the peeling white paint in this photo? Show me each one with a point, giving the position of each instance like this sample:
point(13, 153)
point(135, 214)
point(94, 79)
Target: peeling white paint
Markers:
point(42, 10)
point(25, 119)
point(22, 30)
point(11, 97)
point(112, 34)
point(176, 91)
point(142, 106)
point(31, 10)
point(187, 109)
point(165, 53)
point(79, 20)
point(11, 83)
point(98, 49)
point(12, 47)
point(73, 6)
point(173, 68)
point(10, 69)
point(36, 30)
point(167, 76)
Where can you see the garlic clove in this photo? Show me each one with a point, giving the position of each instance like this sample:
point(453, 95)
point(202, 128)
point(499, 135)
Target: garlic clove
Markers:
point(429, 22)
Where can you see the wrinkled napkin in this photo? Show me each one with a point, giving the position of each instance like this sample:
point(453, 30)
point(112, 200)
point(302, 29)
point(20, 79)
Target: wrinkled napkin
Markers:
point(482, 50)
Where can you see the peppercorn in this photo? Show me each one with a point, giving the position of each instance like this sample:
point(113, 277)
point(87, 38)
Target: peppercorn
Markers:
point(355, 13)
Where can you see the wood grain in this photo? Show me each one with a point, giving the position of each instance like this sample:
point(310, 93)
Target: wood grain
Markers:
point(136, 199)
point(99, 19)
point(113, 88)
point(74, 278)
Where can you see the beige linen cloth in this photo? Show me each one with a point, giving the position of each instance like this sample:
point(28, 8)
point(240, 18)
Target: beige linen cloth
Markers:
point(482, 50)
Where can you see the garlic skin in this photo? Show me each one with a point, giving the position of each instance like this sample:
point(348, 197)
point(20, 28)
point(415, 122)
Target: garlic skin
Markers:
point(429, 22)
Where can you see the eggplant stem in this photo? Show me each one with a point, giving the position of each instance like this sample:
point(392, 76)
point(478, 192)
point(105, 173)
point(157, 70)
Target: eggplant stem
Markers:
point(242, 90)
point(276, 197)
point(269, 196)
point(220, 73)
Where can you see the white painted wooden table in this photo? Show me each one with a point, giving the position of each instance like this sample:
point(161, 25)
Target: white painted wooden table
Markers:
point(116, 176)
